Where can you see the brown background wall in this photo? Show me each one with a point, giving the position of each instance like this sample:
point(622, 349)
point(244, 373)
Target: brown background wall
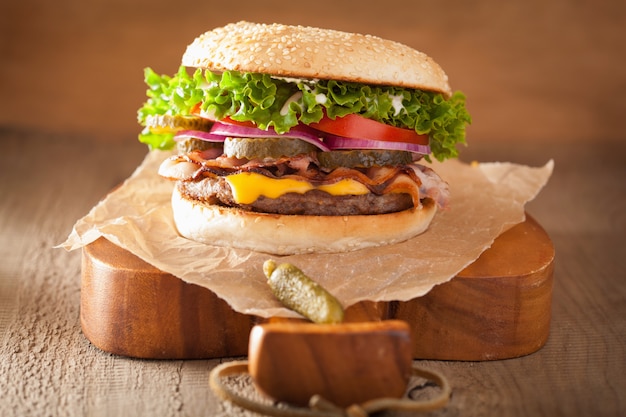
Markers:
point(532, 70)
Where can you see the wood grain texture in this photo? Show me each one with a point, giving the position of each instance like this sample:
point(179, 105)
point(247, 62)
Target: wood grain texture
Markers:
point(497, 308)
point(130, 308)
point(47, 366)
point(543, 79)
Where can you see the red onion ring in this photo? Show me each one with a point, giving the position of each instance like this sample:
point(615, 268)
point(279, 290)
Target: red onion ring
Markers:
point(340, 142)
point(220, 131)
point(198, 134)
point(298, 132)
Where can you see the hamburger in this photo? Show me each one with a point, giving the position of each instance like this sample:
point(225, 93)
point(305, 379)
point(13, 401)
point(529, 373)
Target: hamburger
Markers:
point(293, 139)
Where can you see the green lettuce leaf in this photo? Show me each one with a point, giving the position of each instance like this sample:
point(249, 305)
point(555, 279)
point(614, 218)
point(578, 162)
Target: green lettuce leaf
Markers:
point(283, 103)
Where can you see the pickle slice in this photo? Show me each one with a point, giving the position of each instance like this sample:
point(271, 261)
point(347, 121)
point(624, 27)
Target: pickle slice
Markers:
point(301, 294)
point(194, 144)
point(258, 148)
point(363, 158)
point(164, 123)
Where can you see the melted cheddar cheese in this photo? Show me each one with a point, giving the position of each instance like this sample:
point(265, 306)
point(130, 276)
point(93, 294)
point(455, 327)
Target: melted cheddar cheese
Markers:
point(247, 187)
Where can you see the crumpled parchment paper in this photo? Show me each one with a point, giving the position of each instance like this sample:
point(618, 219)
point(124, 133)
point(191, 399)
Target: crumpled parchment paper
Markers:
point(487, 199)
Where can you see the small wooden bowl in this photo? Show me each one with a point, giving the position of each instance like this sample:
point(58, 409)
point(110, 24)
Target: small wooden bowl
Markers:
point(343, 363)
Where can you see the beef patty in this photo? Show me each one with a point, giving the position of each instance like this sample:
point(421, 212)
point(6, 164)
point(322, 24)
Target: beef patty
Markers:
point(314, 202)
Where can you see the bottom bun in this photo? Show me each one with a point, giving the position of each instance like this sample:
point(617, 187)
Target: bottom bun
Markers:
point(293, 234)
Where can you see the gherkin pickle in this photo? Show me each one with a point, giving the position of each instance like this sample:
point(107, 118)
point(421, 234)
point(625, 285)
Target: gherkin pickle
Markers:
point(258, 148)
point(363, 158)
point(301, 294)
point(164, 123)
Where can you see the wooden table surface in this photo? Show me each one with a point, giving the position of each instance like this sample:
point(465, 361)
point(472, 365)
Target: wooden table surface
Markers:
point(544, 80)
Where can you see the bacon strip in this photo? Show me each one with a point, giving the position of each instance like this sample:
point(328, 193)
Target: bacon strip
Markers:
point(432, 185)
point(417, 180)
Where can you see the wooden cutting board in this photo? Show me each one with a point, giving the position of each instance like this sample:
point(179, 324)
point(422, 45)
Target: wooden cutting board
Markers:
point(497, 308)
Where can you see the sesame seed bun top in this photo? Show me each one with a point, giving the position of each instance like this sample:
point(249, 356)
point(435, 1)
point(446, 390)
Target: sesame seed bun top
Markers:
point(307, 52)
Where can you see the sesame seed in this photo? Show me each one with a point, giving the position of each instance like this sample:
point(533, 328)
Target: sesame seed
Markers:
point(249, 46)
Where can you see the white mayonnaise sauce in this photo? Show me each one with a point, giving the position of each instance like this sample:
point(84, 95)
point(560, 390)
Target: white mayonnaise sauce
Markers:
point(285, 109)
point(320, 98)
point(396, 103)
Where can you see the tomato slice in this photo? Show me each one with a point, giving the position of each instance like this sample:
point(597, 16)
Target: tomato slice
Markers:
point(195, 110)
point(351, 126)
point(359, 127)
